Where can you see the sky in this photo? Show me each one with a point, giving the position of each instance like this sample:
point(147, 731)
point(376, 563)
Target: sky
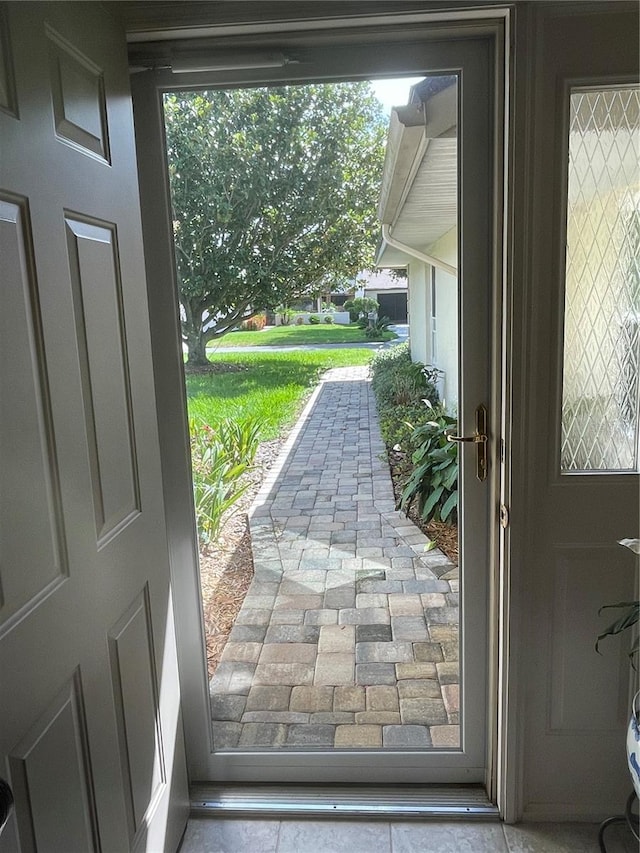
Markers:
point(393, 93)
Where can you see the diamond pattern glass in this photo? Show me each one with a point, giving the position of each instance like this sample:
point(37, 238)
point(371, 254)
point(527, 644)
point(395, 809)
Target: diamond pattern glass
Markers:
point(600, 397)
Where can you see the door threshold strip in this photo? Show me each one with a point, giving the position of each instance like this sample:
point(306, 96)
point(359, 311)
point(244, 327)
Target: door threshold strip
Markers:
point(420, 802)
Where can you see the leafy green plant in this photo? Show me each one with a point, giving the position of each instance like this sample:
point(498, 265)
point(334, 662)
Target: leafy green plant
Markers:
point(400, 386)
point(240, 438)
point(328, 319)
point(360, 307)
point(434, 480)
point(314, 320)
point(219, 458)
point(630, 612)
point(376, 330)
point(286, 316)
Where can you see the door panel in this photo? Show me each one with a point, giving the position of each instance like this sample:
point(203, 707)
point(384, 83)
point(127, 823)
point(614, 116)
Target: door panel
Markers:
point(581, 435)
point(90, 703)
point(472, 59)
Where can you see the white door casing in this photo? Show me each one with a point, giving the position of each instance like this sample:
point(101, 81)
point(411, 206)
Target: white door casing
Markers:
point(572, 704)
point(479, 91)
point(91, 731)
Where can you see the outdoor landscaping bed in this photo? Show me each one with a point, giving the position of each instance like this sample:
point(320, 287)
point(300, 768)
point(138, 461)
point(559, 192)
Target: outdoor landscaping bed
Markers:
point(444, 535)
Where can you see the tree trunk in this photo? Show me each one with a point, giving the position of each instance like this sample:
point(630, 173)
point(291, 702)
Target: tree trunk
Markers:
point(197, 351)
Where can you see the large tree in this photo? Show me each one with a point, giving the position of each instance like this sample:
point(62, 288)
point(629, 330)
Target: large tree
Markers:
point(274, 194)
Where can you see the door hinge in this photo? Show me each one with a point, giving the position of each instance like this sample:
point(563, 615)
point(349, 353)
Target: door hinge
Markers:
point(504, 516)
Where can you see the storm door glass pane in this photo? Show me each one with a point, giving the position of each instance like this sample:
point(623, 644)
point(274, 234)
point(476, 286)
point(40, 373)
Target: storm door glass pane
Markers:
point(602, 302)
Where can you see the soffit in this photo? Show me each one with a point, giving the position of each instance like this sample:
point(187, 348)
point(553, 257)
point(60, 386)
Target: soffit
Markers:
point(430, 208)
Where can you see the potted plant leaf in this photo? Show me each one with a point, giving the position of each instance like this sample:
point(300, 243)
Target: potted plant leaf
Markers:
point(629, 615)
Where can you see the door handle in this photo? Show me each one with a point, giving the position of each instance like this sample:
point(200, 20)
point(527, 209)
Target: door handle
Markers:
point(480, 439)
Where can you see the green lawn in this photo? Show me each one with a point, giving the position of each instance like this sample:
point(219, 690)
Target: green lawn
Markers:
point(270, 386)
point(323, 333)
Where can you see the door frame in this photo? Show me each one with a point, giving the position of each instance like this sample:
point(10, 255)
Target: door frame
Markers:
point(166, 342)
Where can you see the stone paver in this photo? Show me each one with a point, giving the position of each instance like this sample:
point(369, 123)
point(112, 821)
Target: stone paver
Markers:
point(348, 637)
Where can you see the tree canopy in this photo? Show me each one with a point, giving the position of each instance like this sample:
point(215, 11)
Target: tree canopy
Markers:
point(274, 194)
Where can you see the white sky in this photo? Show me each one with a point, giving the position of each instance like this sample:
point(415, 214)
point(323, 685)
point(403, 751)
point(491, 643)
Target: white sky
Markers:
point(393, 93)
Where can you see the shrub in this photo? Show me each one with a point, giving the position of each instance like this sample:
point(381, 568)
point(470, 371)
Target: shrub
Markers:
point(434, 480)
point(328, 319)
point(400, 386)
point(299, 321)
point(254, 324)
point(397, 380)
point(219, 458)
point(362, 305)
point(314, 320)
point(376, 330)
point(286, 315)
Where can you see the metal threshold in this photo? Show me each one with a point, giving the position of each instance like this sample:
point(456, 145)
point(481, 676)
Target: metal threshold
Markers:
point(406, 802)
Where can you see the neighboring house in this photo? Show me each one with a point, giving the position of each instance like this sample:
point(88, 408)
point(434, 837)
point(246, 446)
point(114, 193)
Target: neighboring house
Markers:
point(390, 291)
point(418, 212)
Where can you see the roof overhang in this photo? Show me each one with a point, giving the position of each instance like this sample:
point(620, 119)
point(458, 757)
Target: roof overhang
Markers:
point(418, 198)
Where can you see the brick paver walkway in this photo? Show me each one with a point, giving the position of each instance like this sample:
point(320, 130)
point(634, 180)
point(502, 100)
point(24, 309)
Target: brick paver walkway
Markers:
point(348, 636)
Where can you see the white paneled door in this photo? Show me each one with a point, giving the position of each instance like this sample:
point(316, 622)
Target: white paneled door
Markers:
point(90, 735)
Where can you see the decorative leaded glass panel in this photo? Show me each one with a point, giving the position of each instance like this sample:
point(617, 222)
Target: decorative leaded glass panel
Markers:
point(600, 400)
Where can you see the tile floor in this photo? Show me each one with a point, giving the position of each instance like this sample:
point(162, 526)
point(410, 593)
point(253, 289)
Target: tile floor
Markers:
point(311, 836)
point(348, 636)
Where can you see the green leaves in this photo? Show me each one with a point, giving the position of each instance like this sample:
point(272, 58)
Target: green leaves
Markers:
point(630, 615)
point(272, 190)
point(433, 482)
point(219, 458)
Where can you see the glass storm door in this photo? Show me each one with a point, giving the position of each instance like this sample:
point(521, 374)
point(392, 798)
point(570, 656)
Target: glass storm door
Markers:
point(442, 670)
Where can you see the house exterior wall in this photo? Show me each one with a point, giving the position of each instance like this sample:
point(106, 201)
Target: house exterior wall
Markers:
point(441, 348)
point(446, 336)
point(419, 308)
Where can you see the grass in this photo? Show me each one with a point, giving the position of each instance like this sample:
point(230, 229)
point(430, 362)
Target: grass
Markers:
point(323, 333)
point(271, 387)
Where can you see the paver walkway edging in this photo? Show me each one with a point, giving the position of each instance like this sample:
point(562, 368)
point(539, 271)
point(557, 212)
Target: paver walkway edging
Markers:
point(348, 636)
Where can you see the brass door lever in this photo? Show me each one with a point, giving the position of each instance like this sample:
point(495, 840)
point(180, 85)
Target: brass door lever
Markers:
point(480, 438)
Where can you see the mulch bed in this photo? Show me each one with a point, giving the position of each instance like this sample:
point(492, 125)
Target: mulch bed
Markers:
point(226, 567)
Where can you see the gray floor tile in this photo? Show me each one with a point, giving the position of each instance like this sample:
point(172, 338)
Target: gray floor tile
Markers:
point(204, 835)
point(566, 838)
point(334, 837)
point(452, 837)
